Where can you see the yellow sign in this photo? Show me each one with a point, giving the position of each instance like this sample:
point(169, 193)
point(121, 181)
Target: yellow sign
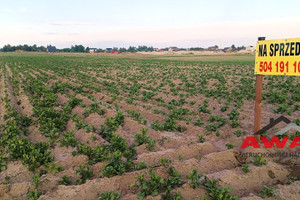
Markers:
point(278, 57)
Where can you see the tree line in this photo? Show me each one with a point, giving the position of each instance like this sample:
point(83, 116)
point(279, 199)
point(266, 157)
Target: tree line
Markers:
point(25, 47)
point(82, 49)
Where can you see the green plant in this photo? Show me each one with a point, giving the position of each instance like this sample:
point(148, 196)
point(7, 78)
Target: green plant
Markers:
point(188, 120)
point(142, 138)
point(169, 125)
point(84, 172)
point(65, 181)
point(245, 168)
point(201, 138)
point(180, 157)
point(93, 137)
point(151, 186)
point(169, 196)
point(141, 166)
point(266, 192)
point(239, 133)
point(235, 123)
point(156, 184)
point(194, 178)
point(211, 127)
point(116, 165)
point(258, 161)
point(229, 146)
point(219, 119)
point(52, 167)
point(173, 180)
point(204, 108)
point(199, 122)
point(68, 139)
point(111, 195)
point(6, 180)
point(193, 102)
point(33, 195)
point(36, 180)
point(292, 179)
point(218, 193)
point(3, 162)
point(165, 161)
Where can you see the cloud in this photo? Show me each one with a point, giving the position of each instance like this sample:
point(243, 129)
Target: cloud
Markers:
point(51, 33)
point(223, 34)
point(73, 33)
point(29, 27)
point(7, 10)
point(23, 9)
point(72, 23)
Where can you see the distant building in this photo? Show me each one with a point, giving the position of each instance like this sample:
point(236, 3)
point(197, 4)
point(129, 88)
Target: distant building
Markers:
point(92, 50)
point(213, 48)
point(108, 50)
point(250, 48)
point(155, 49)
point(173, 49)
point(51, 49)
point(227, 49)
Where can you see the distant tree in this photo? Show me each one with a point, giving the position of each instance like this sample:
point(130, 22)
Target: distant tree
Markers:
point(7, 48)
point(196, 49)
point(240, 48)
point(132, 49)
point(41, 48)
point(122, 50)
point(150, 48)
point(144, 48)
point(25, 47)
point(100, 50)
point(87, 49)
point(77, 48)
point(65, 50)
point(233, 47)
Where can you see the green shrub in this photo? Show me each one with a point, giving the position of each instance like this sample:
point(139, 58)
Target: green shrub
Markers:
point(266, 192)
point(84, 172)
point(111, 195)
point(194, 178)
point(258, 161)
point(68, 139)
point(65, 181)
point(142, 138)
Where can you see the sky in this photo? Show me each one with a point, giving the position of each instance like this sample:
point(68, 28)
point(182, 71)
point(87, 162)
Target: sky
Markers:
point(157, 23)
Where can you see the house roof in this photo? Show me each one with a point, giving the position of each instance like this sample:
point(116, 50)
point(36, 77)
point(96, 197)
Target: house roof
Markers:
point(93, 48)
point(272, 124)
point(287, 128)
point(51, 48)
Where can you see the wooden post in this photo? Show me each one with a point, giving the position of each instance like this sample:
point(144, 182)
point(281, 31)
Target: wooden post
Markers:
point(258, 98)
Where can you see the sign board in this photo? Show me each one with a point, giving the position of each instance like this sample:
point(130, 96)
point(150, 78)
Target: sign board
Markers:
point(278, 57)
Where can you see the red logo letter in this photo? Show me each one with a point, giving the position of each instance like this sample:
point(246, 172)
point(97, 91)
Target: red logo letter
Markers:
point(296, 142)
point(250, 141)
point(275, 140)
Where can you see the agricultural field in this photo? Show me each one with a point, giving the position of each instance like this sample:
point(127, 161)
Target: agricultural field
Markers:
point(77, 126)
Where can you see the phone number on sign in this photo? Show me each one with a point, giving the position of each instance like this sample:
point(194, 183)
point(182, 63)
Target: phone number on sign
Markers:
point(280, 66)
